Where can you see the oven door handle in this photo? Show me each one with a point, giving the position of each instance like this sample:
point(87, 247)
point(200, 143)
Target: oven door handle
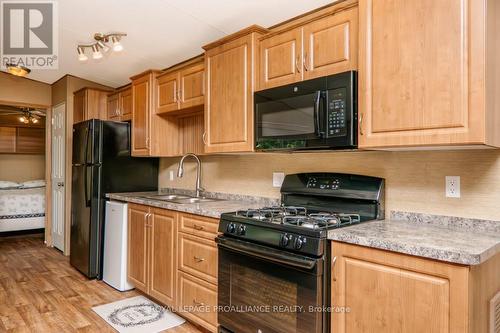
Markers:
point(262, 252)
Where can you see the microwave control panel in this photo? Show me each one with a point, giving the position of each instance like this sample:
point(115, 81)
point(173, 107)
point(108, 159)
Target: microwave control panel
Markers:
point(337, 114)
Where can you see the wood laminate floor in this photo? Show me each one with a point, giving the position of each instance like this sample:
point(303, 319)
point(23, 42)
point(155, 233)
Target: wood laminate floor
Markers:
point(41, 292)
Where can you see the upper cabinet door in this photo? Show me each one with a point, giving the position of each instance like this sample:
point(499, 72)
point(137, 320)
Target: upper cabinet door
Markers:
point(331, 44)
point(79, 106)
point(192, 86)
point(126, 104)
point(229, 100)
point(421, 73)
point(113, 109)
point(280, 59)
point(168, 93)
point(141, 116)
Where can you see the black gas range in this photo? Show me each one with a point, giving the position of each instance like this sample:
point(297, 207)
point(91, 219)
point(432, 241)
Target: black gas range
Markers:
point(274, 262)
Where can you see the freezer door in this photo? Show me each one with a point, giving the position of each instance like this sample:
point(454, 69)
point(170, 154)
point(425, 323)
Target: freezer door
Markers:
point(81, 138)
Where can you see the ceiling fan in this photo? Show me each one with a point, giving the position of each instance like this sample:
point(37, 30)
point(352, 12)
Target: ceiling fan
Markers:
point(25, 115)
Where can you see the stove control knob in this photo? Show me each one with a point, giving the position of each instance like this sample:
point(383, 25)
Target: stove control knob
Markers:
point(285, 239)
point(299, 242)
point(242, 230)
point(231, 228)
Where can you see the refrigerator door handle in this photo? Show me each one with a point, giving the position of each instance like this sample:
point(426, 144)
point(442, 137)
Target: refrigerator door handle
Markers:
point(88, 185)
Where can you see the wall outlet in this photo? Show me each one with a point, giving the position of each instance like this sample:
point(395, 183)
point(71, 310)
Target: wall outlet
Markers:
point(171, 175)
point(278, 178)
point(453, 186)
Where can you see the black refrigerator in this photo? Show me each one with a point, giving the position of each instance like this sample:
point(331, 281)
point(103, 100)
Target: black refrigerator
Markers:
point(102, 163)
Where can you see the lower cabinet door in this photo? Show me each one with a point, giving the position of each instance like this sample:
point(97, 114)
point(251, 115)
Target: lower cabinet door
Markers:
point(197, 300)
point(163, 255)
point(381, 291)
point(138, 246)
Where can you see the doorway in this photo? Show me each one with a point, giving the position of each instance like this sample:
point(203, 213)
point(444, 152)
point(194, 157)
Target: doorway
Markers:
point(58, 139)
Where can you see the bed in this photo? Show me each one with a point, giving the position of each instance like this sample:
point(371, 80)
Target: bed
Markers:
point(22, 207)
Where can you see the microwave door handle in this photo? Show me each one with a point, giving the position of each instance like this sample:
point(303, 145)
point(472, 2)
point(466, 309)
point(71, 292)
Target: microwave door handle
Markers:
point(317, 101)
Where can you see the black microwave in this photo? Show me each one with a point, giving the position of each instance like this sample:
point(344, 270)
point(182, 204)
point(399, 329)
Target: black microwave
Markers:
point(314, 114)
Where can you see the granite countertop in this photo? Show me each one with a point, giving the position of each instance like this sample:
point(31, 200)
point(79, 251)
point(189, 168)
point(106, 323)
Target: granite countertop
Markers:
point(230, 202)
point(451, 239)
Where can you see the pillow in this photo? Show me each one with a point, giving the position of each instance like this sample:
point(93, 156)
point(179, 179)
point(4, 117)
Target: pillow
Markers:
point(33, 183)
point(5, 184)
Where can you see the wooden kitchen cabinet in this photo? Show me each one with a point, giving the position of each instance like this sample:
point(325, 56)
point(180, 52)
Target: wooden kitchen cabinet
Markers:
point(163, 259)
point(280, 59)
point(119, 105)
point(172, 257)
point(113, 107)
point(152, 251)
point(182, 88)
point(391, 292)
point(89, 103)
point(152, 134)
point(323, 44)
point(138, 249)
point(229, 66)
point(427, 73)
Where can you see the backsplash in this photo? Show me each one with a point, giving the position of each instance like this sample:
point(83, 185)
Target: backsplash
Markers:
point(415, 181)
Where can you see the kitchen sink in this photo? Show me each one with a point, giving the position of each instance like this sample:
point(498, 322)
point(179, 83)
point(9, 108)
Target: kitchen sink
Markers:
point(166, 197)
point(180, 199)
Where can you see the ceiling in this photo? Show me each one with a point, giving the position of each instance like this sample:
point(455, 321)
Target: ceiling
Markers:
point(161, 33)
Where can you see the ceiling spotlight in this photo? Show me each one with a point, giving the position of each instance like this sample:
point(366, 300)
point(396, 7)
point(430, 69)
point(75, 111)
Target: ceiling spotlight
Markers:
point(101, 42)
point(103, 46)
point(96, 54)
point(17, 70)
point(117, 46)
point(81, 54)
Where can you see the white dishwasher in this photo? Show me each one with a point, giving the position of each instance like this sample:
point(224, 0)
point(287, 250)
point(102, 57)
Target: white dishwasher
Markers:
point(115, 246)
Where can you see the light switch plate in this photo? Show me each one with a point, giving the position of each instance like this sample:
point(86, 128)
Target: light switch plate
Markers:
point(171, 175)
point(278, 178)
point(453, 186)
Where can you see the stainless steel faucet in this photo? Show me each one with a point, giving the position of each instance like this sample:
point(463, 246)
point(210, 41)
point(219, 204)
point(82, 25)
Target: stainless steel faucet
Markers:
point(180, 172)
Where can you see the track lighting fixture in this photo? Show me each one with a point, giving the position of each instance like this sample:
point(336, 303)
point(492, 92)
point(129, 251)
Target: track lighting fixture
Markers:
point(101, 44)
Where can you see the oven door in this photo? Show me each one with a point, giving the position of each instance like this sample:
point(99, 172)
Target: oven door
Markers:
point(264, 290)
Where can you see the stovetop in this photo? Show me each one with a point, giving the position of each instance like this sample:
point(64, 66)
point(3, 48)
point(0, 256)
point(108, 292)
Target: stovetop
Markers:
point(299, 217)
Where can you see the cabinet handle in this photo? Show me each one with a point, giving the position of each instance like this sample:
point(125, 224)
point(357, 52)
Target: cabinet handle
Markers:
point(196, 303)
point(204, 138)
point(361, 124)
point(305, 61)
point(147, 142)
point(198, 227)
point(180, 95)
point(198, 259)
point(297, 63)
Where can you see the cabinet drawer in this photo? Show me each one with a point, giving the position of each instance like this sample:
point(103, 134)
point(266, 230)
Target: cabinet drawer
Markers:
point(198, 256)
point(197, 301)
point(198, 226)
